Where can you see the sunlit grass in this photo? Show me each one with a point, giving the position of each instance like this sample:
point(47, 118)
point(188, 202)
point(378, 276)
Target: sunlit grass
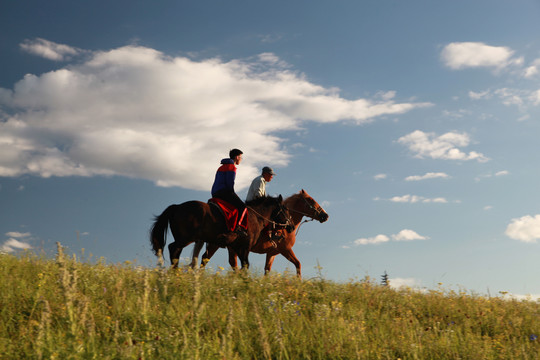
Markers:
point(68, 309)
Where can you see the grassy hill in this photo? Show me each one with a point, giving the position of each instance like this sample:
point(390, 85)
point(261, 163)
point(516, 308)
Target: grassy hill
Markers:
point(67, 309)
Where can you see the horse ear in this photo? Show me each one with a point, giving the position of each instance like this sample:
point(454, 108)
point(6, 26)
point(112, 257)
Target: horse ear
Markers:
point(303, 191)
point(280, 198)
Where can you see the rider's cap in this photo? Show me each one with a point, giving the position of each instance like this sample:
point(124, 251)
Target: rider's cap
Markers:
point(268, 170)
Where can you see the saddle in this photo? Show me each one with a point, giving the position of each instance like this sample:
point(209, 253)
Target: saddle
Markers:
point(230, 213)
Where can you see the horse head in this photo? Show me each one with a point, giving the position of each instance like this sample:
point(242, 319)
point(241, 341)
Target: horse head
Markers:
point(281, 215)
point(312, 209)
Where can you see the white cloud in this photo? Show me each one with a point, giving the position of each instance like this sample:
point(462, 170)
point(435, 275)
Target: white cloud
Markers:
point(520, 297)
point(532, 70)
point(444, 147)
point(398, 283)
point(480, 95)
point(135, 112)
point(406, 198)
point(487, 176)
point(461, 55)
point(526, 229)
point(380, 176)
point(535, 97)
point(372, 240)
point(511, 97)
point(386, 95)
point(403, 235)
point(520, 98)
point(16, 234)
point(429, 175)
point(12, 244)
point(49, 50)
point(408, 235)
point(416, 199)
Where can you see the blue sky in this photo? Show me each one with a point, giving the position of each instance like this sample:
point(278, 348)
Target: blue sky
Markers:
point(415, 124)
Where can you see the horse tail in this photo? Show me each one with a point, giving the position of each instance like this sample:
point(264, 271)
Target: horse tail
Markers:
point(158, 232)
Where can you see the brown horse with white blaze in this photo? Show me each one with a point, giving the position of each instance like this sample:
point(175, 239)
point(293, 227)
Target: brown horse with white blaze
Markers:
point(299, 205)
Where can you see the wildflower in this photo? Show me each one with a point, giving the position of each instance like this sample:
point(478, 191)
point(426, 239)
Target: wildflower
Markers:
point(533, 337)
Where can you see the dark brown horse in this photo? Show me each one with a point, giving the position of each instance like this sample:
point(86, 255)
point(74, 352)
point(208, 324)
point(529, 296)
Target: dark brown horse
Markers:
point(198, 222)
point(299, 205)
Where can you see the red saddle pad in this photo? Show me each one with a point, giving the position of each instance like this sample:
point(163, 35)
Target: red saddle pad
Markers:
point(231, 214)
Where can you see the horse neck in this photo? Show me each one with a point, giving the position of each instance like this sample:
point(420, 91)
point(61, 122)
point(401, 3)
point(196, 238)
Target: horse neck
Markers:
point(262, 210)
point(296, 204)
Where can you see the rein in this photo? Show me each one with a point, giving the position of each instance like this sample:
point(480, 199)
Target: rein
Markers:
point(265, 218)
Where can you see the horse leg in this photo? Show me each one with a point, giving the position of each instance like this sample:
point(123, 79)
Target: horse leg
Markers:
point(174, 252)
point(269, 262)
point(244, 261)
point(196, 250)
point(210, 251)
point(159, 254)
point(242, 255)
point(232, 258)
point(289, 255)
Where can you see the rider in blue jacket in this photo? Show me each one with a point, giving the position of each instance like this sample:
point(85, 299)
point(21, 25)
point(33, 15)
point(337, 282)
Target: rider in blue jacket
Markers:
point(223, 187)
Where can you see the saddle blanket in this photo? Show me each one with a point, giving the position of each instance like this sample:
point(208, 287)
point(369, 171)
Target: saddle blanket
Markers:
point(231, 214)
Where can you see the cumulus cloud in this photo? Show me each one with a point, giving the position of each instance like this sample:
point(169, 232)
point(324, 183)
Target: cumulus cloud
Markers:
point(403, 235)
point(380, 176)
point(461, 55)
point(16, 241)
point(136, 112)
point(444, 147)
point(526, 229)
point(429, 175)
point(49, 50)
point(408, 235)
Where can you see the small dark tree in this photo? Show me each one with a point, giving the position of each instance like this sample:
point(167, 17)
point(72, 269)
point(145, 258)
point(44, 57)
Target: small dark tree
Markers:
point(385, 281)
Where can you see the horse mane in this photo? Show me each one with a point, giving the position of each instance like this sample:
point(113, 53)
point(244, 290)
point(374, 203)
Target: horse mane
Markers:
point(263, 200)
point(294, 197)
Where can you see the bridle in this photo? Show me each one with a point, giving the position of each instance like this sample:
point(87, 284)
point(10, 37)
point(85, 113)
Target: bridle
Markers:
point(275, 213)
point(317, 211)
point(311, 218)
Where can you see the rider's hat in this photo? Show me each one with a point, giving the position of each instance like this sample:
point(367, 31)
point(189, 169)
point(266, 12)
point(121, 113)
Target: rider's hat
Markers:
point(268, 170)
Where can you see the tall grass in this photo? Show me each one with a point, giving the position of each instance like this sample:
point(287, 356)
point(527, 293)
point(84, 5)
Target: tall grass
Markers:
point(68, 309)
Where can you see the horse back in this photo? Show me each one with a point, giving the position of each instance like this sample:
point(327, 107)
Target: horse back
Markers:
point(195, 216)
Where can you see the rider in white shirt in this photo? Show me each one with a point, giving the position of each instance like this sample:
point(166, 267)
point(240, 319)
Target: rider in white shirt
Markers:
point(258, 185)
point(257, 190)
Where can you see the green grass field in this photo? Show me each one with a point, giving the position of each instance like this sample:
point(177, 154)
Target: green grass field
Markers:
point(67, 309)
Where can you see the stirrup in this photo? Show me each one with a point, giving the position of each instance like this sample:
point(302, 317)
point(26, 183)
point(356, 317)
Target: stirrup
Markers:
point(240, 231)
